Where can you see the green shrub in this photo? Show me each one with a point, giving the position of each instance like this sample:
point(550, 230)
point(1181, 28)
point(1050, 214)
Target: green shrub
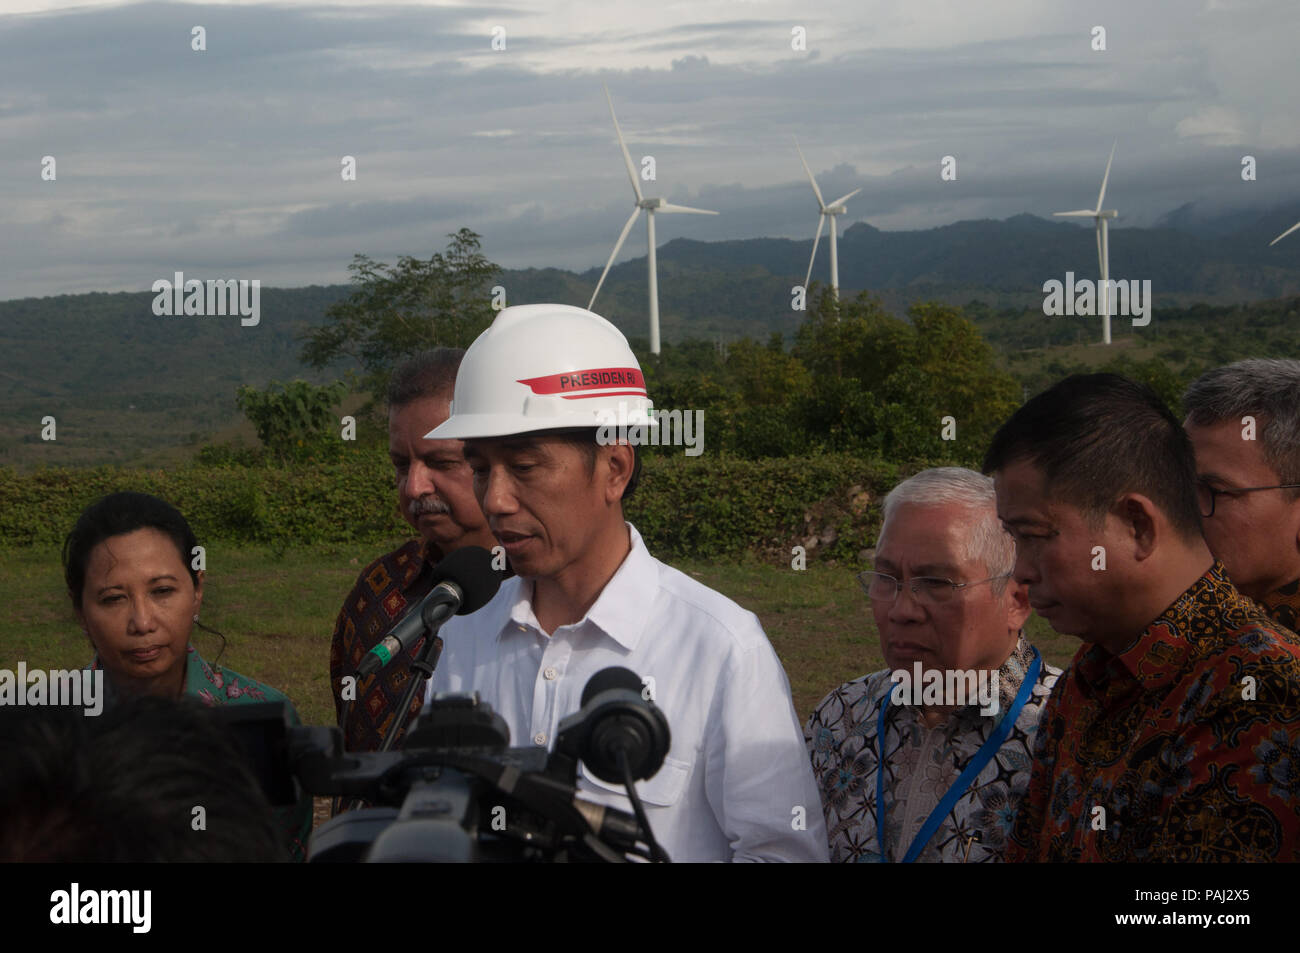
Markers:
point(707, 506)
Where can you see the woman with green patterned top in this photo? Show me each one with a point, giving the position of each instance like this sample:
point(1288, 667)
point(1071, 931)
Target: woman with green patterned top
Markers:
point(127, 564)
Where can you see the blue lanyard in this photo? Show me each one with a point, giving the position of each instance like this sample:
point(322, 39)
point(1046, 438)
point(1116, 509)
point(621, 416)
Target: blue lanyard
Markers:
point(976, 765)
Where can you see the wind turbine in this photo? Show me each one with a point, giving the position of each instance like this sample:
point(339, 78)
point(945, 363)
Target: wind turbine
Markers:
point(1103, 247)
point(826, 211)
point(1284, 234)
point(651, 206)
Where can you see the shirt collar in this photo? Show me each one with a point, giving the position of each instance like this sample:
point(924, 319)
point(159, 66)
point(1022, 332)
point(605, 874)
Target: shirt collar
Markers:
point(622, 609)
point(1013, 671)
point(1011, 675)
point(1160, 653)
point(427, 554)
point(1283, 604)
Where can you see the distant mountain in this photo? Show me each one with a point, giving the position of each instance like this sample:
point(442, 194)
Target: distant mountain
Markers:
point(1241, 225)
point(121, 381)
point(743, 287)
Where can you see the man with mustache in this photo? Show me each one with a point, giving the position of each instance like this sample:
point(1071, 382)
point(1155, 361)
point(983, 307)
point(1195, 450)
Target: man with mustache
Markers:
point(435, 494)
point(1173, 735)
point(940, 781)
point(540, 400)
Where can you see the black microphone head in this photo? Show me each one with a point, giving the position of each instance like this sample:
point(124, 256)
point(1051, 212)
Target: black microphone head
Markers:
point(470, 568)
point(613, 677)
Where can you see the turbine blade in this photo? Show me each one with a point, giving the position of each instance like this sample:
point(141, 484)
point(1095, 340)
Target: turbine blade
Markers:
point(818, 192)
point(622, 237)
point(1284, 234)
point(821, 220)
point(844, 198)
point(684, 208)
point(1079, 213)
point(1101, 265)
point(1101, 196)
point(627, 156)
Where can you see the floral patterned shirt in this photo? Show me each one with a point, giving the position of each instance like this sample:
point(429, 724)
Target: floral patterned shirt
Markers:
point(920, 764)
point(216, 685)
point(1182, 748)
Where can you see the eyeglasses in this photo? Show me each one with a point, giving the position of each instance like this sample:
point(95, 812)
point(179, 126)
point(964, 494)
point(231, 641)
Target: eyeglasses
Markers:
point(928, 590)
point(1206, 495)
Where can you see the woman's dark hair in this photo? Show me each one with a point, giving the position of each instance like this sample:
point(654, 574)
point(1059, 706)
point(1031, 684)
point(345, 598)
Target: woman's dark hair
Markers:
point(116, 515)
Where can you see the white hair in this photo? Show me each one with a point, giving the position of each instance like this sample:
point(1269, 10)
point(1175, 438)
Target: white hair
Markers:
point(986, 540)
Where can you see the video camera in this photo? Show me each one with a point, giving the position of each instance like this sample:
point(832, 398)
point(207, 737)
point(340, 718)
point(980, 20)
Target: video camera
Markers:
point(457, 792)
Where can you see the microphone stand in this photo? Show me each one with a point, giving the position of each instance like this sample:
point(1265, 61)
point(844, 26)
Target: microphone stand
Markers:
point(422, 666)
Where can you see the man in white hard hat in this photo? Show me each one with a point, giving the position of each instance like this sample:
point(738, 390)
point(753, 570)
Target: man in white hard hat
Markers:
point(531, 396)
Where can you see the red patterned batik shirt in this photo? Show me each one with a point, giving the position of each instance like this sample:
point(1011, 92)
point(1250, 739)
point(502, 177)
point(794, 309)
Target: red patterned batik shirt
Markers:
point(384, 591)
point(1185, 747)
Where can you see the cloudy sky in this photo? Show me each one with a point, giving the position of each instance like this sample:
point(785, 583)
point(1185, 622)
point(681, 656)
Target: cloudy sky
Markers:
point(226, 162)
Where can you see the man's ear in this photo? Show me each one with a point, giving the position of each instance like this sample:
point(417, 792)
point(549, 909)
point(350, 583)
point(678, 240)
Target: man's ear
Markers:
point(1143, 522)
point(1017, 604)
point(619, 459)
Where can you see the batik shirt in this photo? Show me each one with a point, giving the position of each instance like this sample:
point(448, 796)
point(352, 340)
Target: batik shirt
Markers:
point(1283, 605)
point(383, 592)
point(1182, 748)
point(921, 763)
point(216, 685)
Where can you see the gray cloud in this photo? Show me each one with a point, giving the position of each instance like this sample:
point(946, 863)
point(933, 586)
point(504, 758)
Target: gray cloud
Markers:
point(228, 160)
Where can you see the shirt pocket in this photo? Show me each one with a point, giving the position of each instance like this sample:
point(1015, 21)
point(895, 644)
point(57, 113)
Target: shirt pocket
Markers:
point(663, 790)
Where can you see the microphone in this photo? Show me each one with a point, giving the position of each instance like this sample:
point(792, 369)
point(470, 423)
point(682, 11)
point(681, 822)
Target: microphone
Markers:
point(615, 720)
point(464, 582)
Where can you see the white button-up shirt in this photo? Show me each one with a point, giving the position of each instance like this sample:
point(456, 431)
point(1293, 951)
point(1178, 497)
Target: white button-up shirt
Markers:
point(737, 783)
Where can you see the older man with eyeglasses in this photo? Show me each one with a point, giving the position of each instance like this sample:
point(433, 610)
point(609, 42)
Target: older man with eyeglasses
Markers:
point(1244, 424)
point(928, 772)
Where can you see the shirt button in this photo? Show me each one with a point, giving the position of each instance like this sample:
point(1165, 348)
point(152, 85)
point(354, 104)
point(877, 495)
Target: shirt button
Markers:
point(539, 738)
point(550, 673)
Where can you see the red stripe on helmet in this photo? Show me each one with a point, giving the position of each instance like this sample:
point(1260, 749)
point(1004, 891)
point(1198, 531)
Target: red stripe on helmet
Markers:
point(599, 378)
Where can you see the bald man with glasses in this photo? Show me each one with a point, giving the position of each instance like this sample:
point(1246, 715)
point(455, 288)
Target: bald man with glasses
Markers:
point(928, 759)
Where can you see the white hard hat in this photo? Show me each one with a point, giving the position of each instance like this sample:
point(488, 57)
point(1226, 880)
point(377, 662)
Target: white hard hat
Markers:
point(546, 367)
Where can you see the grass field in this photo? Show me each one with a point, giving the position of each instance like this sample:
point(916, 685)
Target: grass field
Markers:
point(277, 613)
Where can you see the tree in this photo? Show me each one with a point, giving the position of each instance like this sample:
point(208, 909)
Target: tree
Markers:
point(884, 386)
point(396, 310)
point(294, 421)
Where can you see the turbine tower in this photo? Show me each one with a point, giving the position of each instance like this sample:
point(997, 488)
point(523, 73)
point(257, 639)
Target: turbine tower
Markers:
point(651, 206)
point(825, 212)
point(1101, 217)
